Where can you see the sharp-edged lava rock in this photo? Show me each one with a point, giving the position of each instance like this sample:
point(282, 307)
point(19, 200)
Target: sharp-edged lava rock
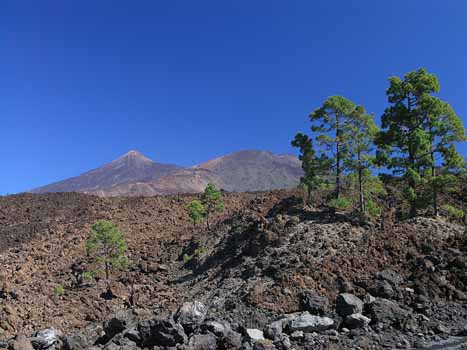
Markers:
point(268, 275)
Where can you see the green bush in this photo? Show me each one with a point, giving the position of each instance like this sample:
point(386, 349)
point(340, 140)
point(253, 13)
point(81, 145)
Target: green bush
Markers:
point(187, 258)
point(59, 290)
point(197, 253)
point(89, 275)
point(373, 209)
point(453, 212)
point(340, 203)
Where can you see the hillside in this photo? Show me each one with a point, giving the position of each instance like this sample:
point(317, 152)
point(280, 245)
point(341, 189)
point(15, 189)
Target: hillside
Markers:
point(266, 259)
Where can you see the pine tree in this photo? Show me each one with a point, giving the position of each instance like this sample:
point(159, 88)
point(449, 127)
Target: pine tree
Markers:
point(361, 130)
point(313, 167)
point(107, 244)
point(445, 129)
point(330, 121)
point(417, 128)
point(211, 199)
point(196, 211)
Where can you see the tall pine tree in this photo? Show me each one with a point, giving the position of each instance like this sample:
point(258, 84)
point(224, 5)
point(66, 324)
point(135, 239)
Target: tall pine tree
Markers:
point(419, 133)
point(313, 167)
point(330, 122)
point(361, 130)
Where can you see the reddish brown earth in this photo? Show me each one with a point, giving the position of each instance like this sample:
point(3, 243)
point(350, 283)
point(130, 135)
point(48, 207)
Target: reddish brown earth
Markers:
point(42, 236)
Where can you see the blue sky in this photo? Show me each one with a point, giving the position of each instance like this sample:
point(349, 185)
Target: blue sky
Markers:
point(82, 82)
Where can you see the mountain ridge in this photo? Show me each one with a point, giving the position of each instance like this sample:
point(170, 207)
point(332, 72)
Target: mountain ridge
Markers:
point(134, 174)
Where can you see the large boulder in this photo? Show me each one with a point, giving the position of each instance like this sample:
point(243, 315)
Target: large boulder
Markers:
point(384, 289)
point(202, 342)
point(22, 343)
point(46, 339)
point(273, 330)
point(314, 303)
point(120, 342)
point(75, 341)
point(348, 304)
point(390, 276)
point(190, 315)
point(117, 323)
point(231, 340)
point(356, 321)
point(217, 328)
point(254, 335)
point(387, 312)
point(161, 333)
point(308, 323)
point(264, 345)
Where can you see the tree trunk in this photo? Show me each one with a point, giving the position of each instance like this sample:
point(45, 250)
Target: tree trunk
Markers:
point(309, 199)
point(107, 268)
point(435, 192)
point(413, 205)
point(360, 186)
point(338, 159)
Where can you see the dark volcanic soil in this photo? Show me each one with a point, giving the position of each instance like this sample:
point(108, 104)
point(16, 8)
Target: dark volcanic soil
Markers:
point(266, 257)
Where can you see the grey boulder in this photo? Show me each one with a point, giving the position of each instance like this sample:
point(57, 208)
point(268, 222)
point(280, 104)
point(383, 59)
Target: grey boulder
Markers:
point(348, 304)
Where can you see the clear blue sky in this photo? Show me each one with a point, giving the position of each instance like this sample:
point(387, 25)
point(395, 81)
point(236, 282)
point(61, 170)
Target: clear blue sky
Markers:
point(84, 81)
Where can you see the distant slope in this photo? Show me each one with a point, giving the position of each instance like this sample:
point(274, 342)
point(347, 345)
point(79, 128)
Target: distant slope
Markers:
point(180, 181)
point(253, 170)
point(135, 175)
point(131, 167)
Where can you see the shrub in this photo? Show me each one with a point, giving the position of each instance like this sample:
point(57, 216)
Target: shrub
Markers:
point(340, 203)
point(59, 290)
point(373, 209)
point(187, 258)
point(89, 275)
point(453, 212)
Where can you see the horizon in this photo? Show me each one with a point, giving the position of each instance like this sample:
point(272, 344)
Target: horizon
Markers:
point(85, 82)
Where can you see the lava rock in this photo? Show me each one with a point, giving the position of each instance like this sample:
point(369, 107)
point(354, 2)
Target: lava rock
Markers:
point(231, 341)
point(202, 342)
point(118, 323)
point(390, 276)
point(387, 312)
point(356, 321)
point(264, 345)
point(161, 332)
point(276, 328)
point(121, 343)
point(76, 341)
point(314, 303)
point(309, 323)
point(383, 289)
point(46, 339)
point(282, 342)
point(190, 315)
point(22, 343)
point(348, 304)
point(216, 328)
point(254, 335)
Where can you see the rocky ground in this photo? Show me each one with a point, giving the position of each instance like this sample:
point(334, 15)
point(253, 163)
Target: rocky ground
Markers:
point(268, 275)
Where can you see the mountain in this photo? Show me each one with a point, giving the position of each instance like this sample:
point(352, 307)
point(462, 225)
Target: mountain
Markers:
point(131, 167)
point(136, 175)
point(252, 170)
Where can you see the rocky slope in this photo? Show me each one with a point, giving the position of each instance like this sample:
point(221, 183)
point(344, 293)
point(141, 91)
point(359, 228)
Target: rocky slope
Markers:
point(269, 275)
point(135, 175)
